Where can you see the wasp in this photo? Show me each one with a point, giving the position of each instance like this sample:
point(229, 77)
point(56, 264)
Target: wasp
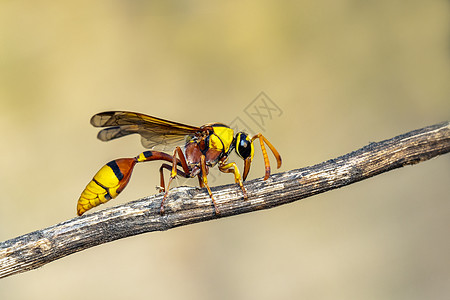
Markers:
point(203, 147)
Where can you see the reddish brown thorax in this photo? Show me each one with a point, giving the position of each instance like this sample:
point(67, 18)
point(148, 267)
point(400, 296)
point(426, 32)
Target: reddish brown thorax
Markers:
point(199, 145)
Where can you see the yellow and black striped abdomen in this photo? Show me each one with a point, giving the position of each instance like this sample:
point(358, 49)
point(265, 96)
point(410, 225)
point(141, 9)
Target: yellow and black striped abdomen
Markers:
point(109, 181)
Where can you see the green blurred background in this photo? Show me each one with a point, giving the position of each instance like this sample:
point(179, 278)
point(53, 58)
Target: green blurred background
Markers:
point(343, 73)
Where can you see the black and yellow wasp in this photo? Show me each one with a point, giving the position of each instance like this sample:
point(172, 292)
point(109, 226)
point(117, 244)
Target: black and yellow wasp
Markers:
point(204, 147)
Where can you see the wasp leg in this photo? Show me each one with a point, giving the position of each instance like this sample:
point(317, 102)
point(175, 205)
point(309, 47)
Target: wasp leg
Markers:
point(232, 168)
point(205, 182)
point(173, 174)
point(169, 167)
point(262, 139)
point(156, 155)
point(200, 181)
point(162, 189)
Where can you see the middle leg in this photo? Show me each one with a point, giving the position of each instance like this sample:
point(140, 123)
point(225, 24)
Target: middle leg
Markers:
point(203, 179)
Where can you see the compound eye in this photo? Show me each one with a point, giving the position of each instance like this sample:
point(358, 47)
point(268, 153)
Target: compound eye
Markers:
point(244, 146)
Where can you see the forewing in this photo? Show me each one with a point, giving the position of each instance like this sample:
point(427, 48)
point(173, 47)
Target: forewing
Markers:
point(155, 132)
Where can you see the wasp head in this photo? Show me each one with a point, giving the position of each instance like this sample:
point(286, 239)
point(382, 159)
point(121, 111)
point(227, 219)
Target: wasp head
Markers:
point(244, 148)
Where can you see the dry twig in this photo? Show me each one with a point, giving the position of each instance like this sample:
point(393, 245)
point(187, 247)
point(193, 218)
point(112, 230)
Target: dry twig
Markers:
point(187, 205)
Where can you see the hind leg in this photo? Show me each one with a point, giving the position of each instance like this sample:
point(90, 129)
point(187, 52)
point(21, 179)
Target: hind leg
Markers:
point(174, 171)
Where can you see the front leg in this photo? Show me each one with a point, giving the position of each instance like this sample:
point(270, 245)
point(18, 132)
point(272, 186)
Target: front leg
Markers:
point(263, 140)
point(232, 168)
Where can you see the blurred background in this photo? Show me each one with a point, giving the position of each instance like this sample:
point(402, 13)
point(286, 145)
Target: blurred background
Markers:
point(335, 75)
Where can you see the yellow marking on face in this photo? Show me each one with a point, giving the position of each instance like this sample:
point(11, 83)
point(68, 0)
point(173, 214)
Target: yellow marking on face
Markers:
point(252, 151)
point(225, 134)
